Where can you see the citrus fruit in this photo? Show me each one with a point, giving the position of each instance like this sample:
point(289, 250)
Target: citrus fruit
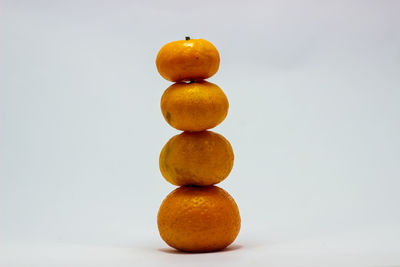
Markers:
point(198, 219)
point(196, 158)
point(195, 106)
point(187, 60)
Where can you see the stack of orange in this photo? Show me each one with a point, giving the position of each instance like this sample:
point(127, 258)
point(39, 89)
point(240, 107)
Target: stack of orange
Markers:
point(197, 216)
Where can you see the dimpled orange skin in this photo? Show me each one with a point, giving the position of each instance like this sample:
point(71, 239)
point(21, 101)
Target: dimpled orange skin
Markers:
point(194, 106)
point(187, 59)
point(196, 158)
point(198, 219)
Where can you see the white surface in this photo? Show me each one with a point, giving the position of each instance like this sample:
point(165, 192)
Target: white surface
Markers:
point(366, 247)
point(314, 122)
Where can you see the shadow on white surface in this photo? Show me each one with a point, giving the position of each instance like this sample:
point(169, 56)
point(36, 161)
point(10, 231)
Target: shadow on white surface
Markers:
point(174, 251)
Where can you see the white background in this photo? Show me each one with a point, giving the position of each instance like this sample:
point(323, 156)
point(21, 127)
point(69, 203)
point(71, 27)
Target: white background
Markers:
point(314, 91)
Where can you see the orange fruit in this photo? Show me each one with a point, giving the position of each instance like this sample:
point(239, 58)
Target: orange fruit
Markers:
point(187, 60)
point(195, 106)
point(196, 158)
point(198, 219)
